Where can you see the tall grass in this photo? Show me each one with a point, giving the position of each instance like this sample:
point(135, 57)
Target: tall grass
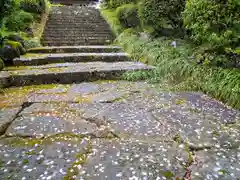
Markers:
point(176, 65)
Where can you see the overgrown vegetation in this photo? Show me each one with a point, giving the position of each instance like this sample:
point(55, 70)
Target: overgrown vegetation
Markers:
point(162, 16)
point(18, 18)
point(128, 15)
point(168, 38)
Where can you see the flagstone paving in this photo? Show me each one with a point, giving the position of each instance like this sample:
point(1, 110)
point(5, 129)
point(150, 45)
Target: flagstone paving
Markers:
point(116, 130)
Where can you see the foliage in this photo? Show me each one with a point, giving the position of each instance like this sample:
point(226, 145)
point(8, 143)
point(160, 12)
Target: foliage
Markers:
point(112, 4)
point(33, 6)
point(6, 7)
point(113, 21)
point(32, 43)
point(19, 21)
point(176, 66)
point(161, 14)
point(128, 15)
point(214, 22)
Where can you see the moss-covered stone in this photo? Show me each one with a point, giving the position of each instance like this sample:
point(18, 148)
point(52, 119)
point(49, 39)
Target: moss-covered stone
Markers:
point(16, 45)
point(2, 65)
point(16, 38)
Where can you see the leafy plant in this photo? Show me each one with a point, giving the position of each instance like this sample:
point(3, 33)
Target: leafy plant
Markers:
point(161, 14)
point(6, 7)
point(214, 22)
point(33, 6)
point(19, 21)
point(32, 43)
point(128, 15)
point(112, 4)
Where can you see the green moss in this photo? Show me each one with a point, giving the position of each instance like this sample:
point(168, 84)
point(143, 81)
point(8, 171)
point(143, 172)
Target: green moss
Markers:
point(215, 133)
point(13, 44)
point(25, 161)
point(195, 110)
point(167, 174)
point(32, 55)
point(180, 101)
point(31, 142)
point(190, 156)
point(2, 65)
point(12, 68)
point(113, 21)
point(15, 96)
point(81, 159)
point(177, 138)
point(1, 163)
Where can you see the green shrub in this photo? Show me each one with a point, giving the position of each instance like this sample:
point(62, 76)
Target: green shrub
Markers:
point(6, 7)
point(159, 14)
point(19, 21)
point(33, 6)
point(32, 43)
point(214, 22)
point(113, 21)
point(128, 15)
point(116, 3)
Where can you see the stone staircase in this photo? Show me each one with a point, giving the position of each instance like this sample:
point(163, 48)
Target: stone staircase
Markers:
point(67, 130)
point(77, 47)
point(76, 25)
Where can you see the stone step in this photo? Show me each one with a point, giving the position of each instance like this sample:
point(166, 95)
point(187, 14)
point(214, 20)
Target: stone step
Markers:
point(77, 27)
point(76, 20)
point(77, 31)
point(40, 59)
point(89, 16)
point(73, 2)
point(50, 42)
point(76, 49)
point(81, 39)
point(77, 35)
point(68, 73)
point(74, 43)
point(73, 9)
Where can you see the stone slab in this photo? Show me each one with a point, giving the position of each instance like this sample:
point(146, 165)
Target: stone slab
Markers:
point(113, 160)
point(69, 57)
point(217, 163)
point(74, 49)
point(38, 97)
point(128, 121)
point(109, 96)
point(34, 159)
point(7, 115)
point(84, 89)
point(67, 73)
point(50, 124)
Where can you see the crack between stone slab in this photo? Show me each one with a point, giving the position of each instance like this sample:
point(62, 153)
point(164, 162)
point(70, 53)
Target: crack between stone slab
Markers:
point(89, 135)
point(23, 106)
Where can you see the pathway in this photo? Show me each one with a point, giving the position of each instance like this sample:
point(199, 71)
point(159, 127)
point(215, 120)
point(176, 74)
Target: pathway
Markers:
point(68, 116)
